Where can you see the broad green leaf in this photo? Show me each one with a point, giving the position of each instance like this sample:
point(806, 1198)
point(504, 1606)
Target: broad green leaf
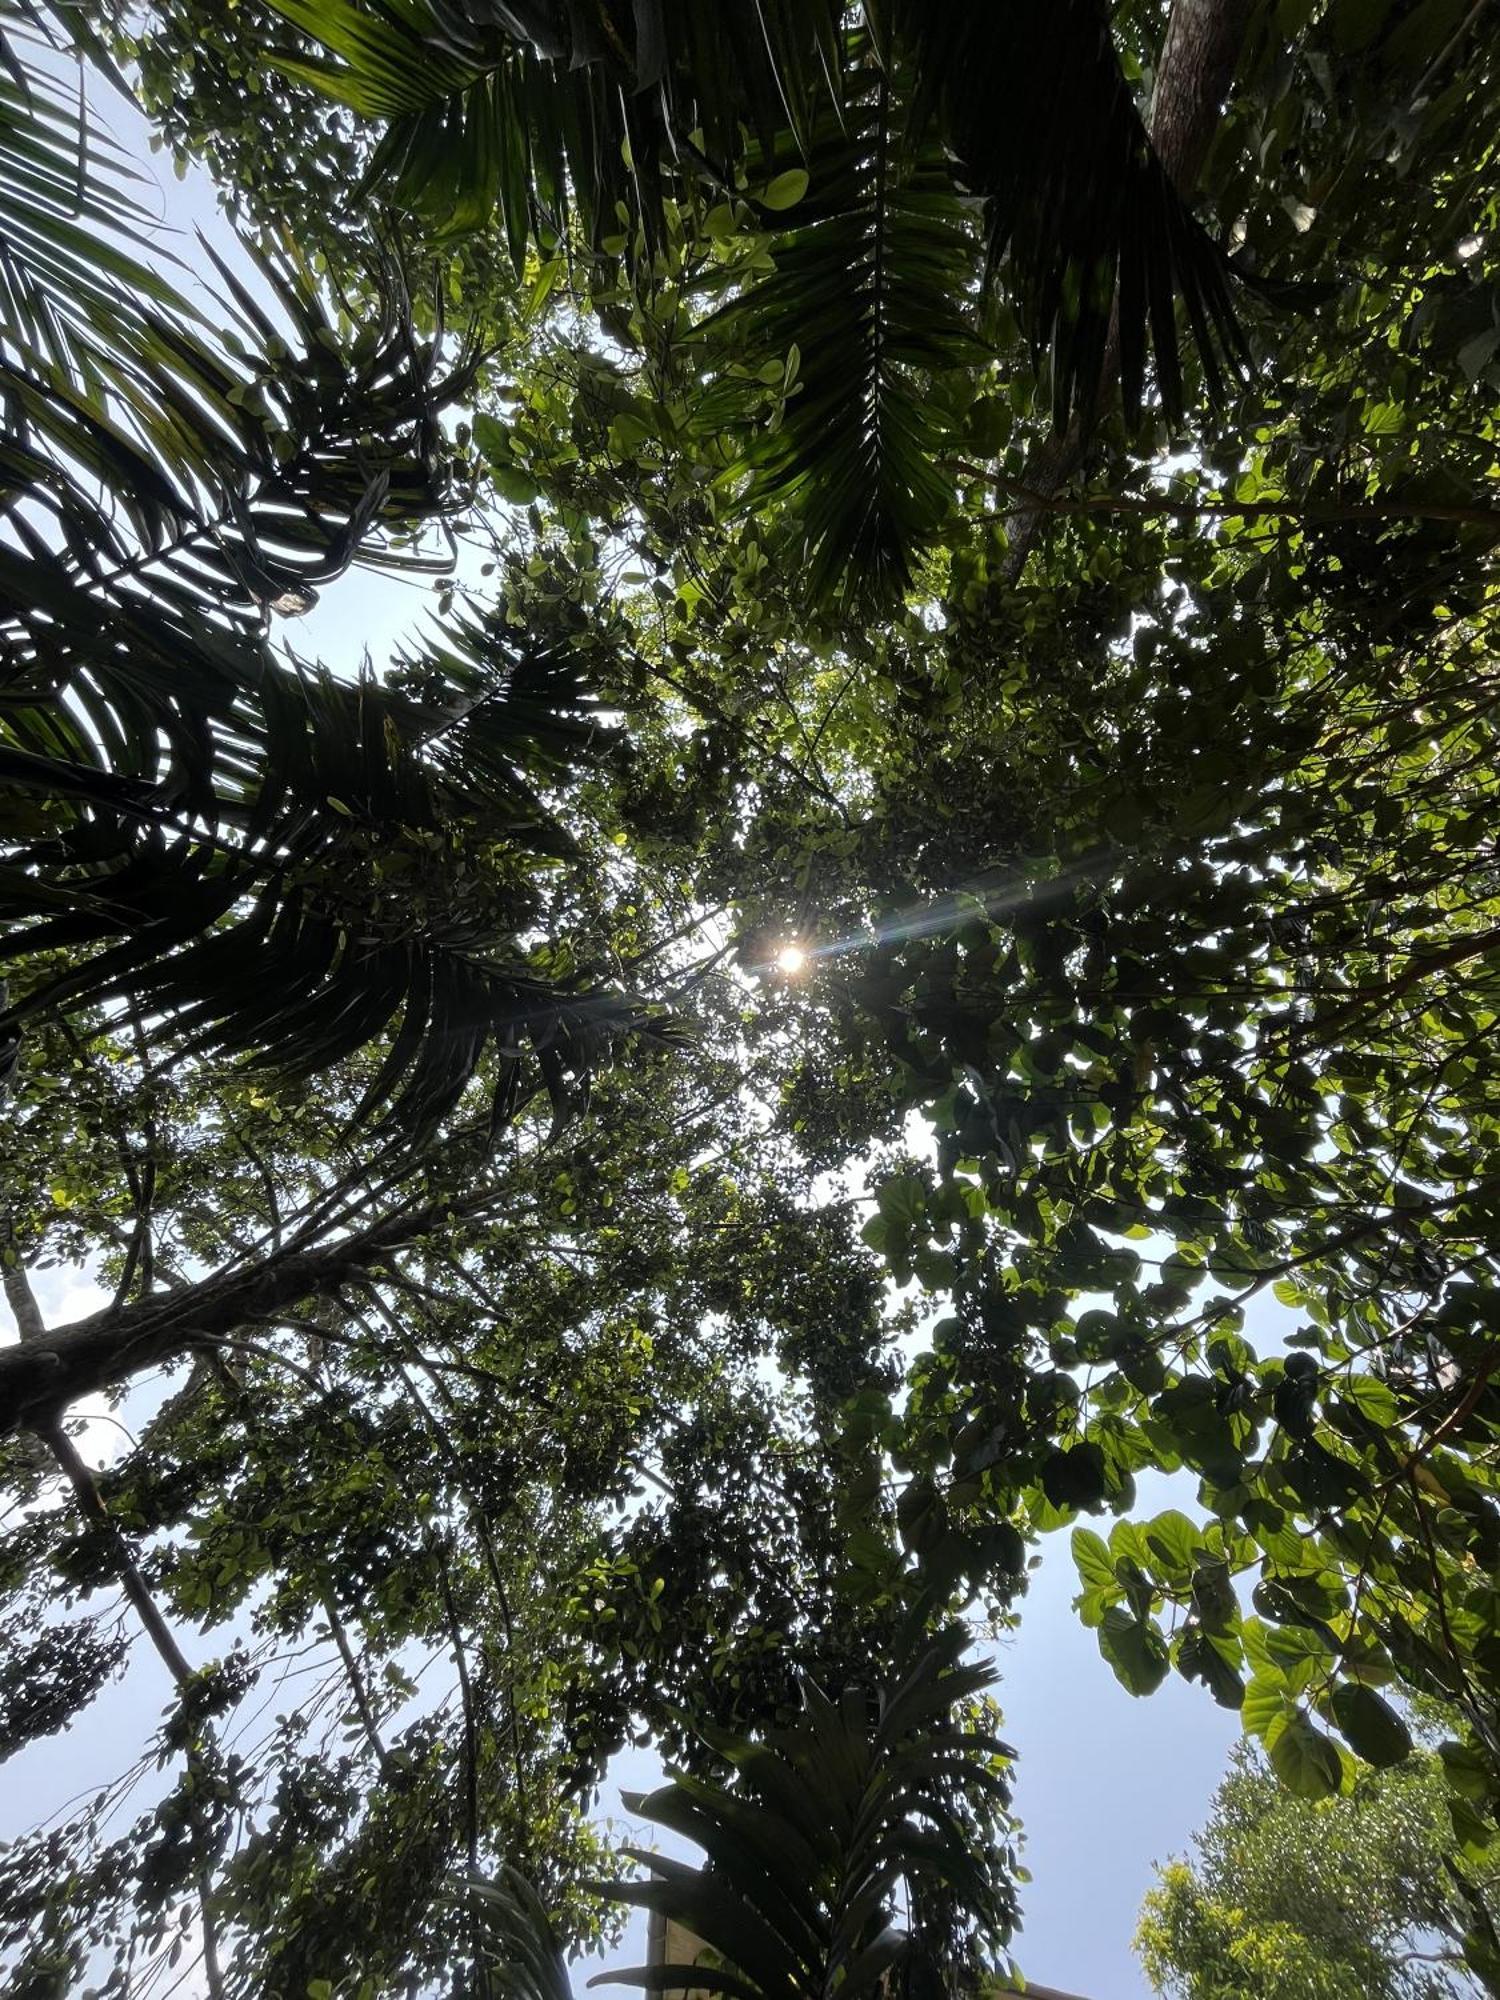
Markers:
point(1372, 1727)
point(1175, 1545)
point(1214, 1598)
point(1091, 1555)
point(1135, 1650)
point(1305, 1760)
point(786, 190)
point(1075, 1476)
point(1465, 1770)
point(1199, 1658)
point(1266, 1702)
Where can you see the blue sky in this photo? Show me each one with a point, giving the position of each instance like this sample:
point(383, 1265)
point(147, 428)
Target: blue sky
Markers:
point(1106, 1784)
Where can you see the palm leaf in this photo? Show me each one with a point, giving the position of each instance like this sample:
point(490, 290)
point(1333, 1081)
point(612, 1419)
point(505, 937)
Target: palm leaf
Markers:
point(262, 857)
point(321, 903)
point(540, 112)
point(827, 1821)
point(872, 293)
point(76, 281)
point(523, 1960)
point(537, 112)
point(1082, 220)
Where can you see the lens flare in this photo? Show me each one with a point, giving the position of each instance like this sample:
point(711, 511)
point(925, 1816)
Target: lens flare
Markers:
point(791, 959)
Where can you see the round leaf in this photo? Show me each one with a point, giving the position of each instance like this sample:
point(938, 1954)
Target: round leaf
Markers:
point(1136, 1651)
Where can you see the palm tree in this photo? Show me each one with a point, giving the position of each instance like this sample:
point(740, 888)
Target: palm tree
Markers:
point(904, 162)
point(258, 853)
point(879, 1806)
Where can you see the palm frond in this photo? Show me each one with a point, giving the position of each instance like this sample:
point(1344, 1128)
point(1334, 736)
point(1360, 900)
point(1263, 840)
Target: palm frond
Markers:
point(536, 113)
point(249, 468)
point(523, 1960)
point(1082, 219)
point(291, 865)
point(827, 1822)
point(258, 855)
point(871, 298)
point(76, 282)
point(522, 106)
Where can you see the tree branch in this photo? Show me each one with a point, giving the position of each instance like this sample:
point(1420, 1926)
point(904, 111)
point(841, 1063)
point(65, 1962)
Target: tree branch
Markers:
point(1165, 507)
point(92, 1508)
point(40, 1378)
point(127, 1570)
point(18, 1293)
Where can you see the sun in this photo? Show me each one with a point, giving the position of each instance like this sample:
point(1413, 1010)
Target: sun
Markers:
point(791, 959)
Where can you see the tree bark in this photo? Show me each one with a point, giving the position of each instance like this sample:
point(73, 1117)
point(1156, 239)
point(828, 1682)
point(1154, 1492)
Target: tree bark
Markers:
point(36, 1343)
point(127, 1570)
point(94, 1512)
point(1198, 59)
point(42, 1376)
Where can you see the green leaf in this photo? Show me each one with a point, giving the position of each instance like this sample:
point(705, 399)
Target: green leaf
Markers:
point(1475, 355)
point(514, 485)
point(1374, 1399)
point(786, 190)
point(867, 1549)
point(902, 1200)
point(1137, 1651)
point(1373, 1729)
point(1199, 1658)
point(1305, 1760)
point(492, 440)
point(1175, 1544)
point(1075, 1477)
point(1384, 419)
point(1266, 1702)
point(1214, 1598)
point(949, 1558)
point(1091, 1555)
point(1465, 1769)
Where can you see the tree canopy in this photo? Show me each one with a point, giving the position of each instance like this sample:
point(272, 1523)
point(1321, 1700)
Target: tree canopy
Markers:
point(1351, 1896)
point(646, 1152)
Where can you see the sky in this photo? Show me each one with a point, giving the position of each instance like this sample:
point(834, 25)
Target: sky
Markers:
point(1106, 1784)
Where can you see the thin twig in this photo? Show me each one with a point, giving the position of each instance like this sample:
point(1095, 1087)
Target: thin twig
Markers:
point(1165, 507)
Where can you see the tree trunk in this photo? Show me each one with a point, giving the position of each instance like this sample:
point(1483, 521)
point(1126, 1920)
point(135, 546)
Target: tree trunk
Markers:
point(42, 1376)
point(96, 1516)
point(1198, 60)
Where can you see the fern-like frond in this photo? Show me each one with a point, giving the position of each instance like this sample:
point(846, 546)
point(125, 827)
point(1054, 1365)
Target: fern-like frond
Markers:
point(945, 144)
point(255, 854)
point(535, 113)
point(290, 866)
point(523, 1959)
point(872, 293)
point(77, 279)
